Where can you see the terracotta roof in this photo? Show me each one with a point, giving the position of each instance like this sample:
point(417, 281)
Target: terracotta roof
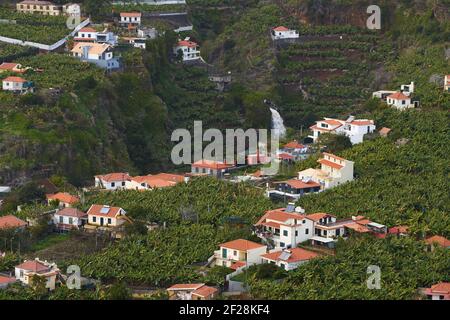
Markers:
point(439, 240)
point(216, 165)
point(285, 156)
point(330, 164)
point(333, 156)
point(71, 212)
point(87, 29)
point(399, 229)
point(15, 79)
point(332, 122)
point(315, 127)
point(297, 254)
point(11, 221)
point(441, 287)
point(241, 245)
point(385, 130)
point(280, 28)
point(238, 264)
point(319, 215)
point(96, 210)
point(34, 266)
point(272, 224)
point(8, 66)
point(186, 43)
point(170, 177)
point(299, 184)
point(279, 215)
point(362, 122)
point(154, 181)
point(293, 145)
point(63, 197)
point(205, 291)
point(37, 2)
point(357, 227)
point(398, 96)
point(186, 286)
point(94, 48)
point(117, 176)
point(5, 280)
point(130, 14)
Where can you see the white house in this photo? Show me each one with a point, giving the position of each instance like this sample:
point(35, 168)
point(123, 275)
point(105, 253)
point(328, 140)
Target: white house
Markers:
point(112, 181)
point(189, 49)
point(71, 9)
point(131, 19)
point(333, 172)
point(28, 269)
point(210, 167)
point(354, 129)
point(285, 227)
point(106, 216)
point(293, 188)
point(17, 85)
point(89, 34)
point(239, 253)
point(327, 229)
point(447, 83)
point(289, 259)
point(399, 101)
point(281, 32)
point(100, 54)
point(69, 219)
point(136, 42)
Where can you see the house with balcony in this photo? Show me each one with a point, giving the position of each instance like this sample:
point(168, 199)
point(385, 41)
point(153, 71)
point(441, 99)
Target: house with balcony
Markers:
point(112, 181)
point(439, 291)
point(354, 129)
point(100, 54)
point(40, 7)
point(64, 199)
point(130, 19)
point(26, 271)
point(327, 229)
point(281, 33)
point(189, 50)
point(284, 227)
point(289, 259)
point(192, 291)
point(17, 85)
point(212, 168)
point(89, 34)
point(239, 253)
point(296, 150)
point(293, 189)
point(69, 219)
point(334, 171)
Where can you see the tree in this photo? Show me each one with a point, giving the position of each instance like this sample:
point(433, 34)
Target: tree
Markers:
point(334, 143)
point(118, 291)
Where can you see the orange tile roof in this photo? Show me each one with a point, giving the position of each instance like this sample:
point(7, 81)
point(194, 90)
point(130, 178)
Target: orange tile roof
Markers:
point(315, 127)
point(170, 177)
point(186, 286)
point(293, 145)
point(71, 212)
point(63, 197)
point(94, 48)
point(210, 164)
point(5, 280)
point(8, 66)
point(441, 287)
point(398, 96)
point(87, 29)
point(95, 210)
point(399, 229)
point(205, 291)
point(362, 122)
point(11, 221)
point(34, 266)
point(330, 164)
point(116, 176)
point(444, 242)
point(15, 79)
point(130, 14)
point(280, 28)
point(332, 122)
point(385, 130)
point(285, 156)
point(298, 184)
point(357, 227)
point(297, 254)
point(238, 264)
point(279, 215)
point(186, 43)
point(317, 216)
point(241, 245)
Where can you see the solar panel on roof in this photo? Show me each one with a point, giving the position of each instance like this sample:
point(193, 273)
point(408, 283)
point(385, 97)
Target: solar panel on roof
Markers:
point(104, 210)
point(284, 255)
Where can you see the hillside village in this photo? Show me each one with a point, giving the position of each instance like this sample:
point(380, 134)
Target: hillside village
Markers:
point(211, 229)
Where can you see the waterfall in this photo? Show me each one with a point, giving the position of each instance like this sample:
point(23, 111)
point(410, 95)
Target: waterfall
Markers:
point(278, 123)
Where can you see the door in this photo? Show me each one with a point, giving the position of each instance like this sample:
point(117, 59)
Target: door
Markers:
point(101, 221)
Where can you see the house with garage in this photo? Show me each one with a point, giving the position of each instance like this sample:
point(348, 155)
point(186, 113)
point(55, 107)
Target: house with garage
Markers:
point(112, 181)
point(17, 85)
point(289, 259)
point(293, 189)
point(189, 50)
point(439, 291)
point(101, 54)
point(334, 171)
point(69, 219)
point(26, 271)
point(281, 32)
point(106, 216)
point(284, 227)
point(354, 129)
point(239, 253)
point(64, 199)
point(192, 291)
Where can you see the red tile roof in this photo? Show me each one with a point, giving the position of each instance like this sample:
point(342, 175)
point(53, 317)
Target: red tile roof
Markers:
point(319, 215)
point(96, 209)
point(72, 212)
point(237, 265)
point(285, 156)
point(15, 79)
point(362, 122)
point(280, 28)
point(186, 43)
point(8, 66)
point(63, 197)
point(299, 184)
point(116, 176)
point(294, 145)
point(11, 221)
point(241, 245)
point(439, 240)
point(398, 96)
point(399, 229)
point(210, 164)
point(130, 14)
point(279, 215)
point(5, 280)
point(205, 292)
point(87, 29)
point(330, 164)
point(297, 254)
point(186, 286)
point(34, 266)
point(441, 287)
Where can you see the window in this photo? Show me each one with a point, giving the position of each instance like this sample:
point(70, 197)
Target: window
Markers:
point(113, 184)
point(71, 220)
point(282, 244)
point(61, 219)
point(304, 221)
point(306, 231)
point(338, 232)
point(235, 252)
point(109, 220)
point(123, 183)
point(285, 233)
point(94, 219)
point(325, 232)
point(296, 233)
